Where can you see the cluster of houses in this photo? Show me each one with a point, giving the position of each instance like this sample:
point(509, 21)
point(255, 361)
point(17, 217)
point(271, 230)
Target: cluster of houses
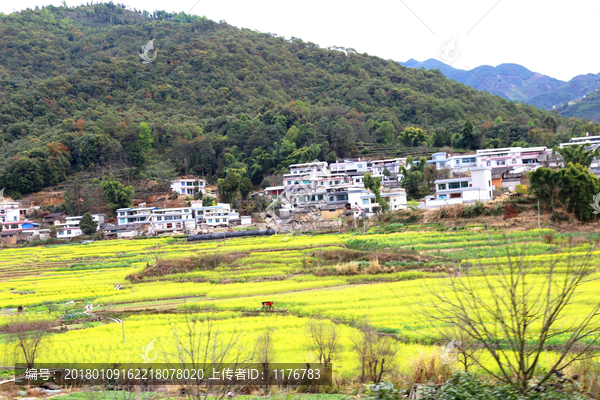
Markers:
point(130, 222)
point(470, 177)
point(317, 188)
point(335, 189)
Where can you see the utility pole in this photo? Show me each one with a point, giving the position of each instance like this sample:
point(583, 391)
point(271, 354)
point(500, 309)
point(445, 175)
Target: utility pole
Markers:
point(364, 226)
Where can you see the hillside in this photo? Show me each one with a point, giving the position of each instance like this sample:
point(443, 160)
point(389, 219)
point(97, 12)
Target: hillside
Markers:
point(588, 107)
point(515, 82)
point(216, 98)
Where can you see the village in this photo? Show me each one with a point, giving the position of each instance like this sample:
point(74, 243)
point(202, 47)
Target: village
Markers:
point(312, 196)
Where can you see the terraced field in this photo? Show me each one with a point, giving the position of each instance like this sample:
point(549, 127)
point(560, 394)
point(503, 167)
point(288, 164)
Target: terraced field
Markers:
point(384, 279)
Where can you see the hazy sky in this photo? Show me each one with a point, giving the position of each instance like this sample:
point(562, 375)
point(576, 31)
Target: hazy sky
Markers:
point(556, 38)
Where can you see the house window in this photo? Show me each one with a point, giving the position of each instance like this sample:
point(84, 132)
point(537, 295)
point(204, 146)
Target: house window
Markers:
point(454, 185)
point(514, 161)
point(365, 201)
point(68, 232)
point(455, 196)
point(159, 218)
point(289, 182)
point(443, 197)
point(190, 183)
point(320, 197)
point(330, 198)
point(182, 183)
point(217, 220)
point(464, 184)
point(489, 183)
point(489, 164)
point(458, 160)
point(501, 162)
point(442, 186)
point(210, 221)
point(183, 191)
point(341, 197)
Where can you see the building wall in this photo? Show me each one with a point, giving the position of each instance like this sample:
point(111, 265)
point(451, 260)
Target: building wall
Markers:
point(332, 214)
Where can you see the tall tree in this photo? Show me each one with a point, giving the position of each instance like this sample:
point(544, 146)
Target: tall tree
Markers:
point(228, 187)
point(116, 194)
point(469, 140)
point(386, 132)
point(87, 224)
point(245, 188)
point(577, 154)
point(374, 185)
point(574, 187)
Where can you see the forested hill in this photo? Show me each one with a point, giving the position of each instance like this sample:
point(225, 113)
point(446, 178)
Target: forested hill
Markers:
point(74, 91)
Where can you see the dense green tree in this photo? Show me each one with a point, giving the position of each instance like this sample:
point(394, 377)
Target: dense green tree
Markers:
point(386, 132)
point(413, 137)
point(573, 187)
point(116, 195)
point(228, 187)
point(25, 175)
point(578, 186)
point(577, 154)
point(87, 224)
point(413, 178)
point(245, 188)
point(469, 139)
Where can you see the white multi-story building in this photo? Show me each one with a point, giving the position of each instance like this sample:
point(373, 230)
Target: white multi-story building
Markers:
point(135, 215)
point(188, 186)
point(349, 166)
point(172, 219)
point(456, 163)
point(70, 228)
point(584, 140)
point(220, 215)
point(510, 157)
point(477, 187)
point(303, 174)
point(11, 211)
point(396, 200)
point(377, 167)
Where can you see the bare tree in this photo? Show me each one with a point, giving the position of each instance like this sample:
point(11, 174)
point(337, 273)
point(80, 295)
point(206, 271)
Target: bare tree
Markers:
point(376, 354)
point(201, 345)
point(323, 338)
point(27, 337)
point(515, 310)
point(264, 353)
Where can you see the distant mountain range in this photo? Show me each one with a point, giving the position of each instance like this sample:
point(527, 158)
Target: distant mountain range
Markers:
point(515, 82)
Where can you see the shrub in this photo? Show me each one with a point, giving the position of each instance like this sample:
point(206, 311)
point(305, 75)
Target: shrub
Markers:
point(383, 391)
point(465, 386)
